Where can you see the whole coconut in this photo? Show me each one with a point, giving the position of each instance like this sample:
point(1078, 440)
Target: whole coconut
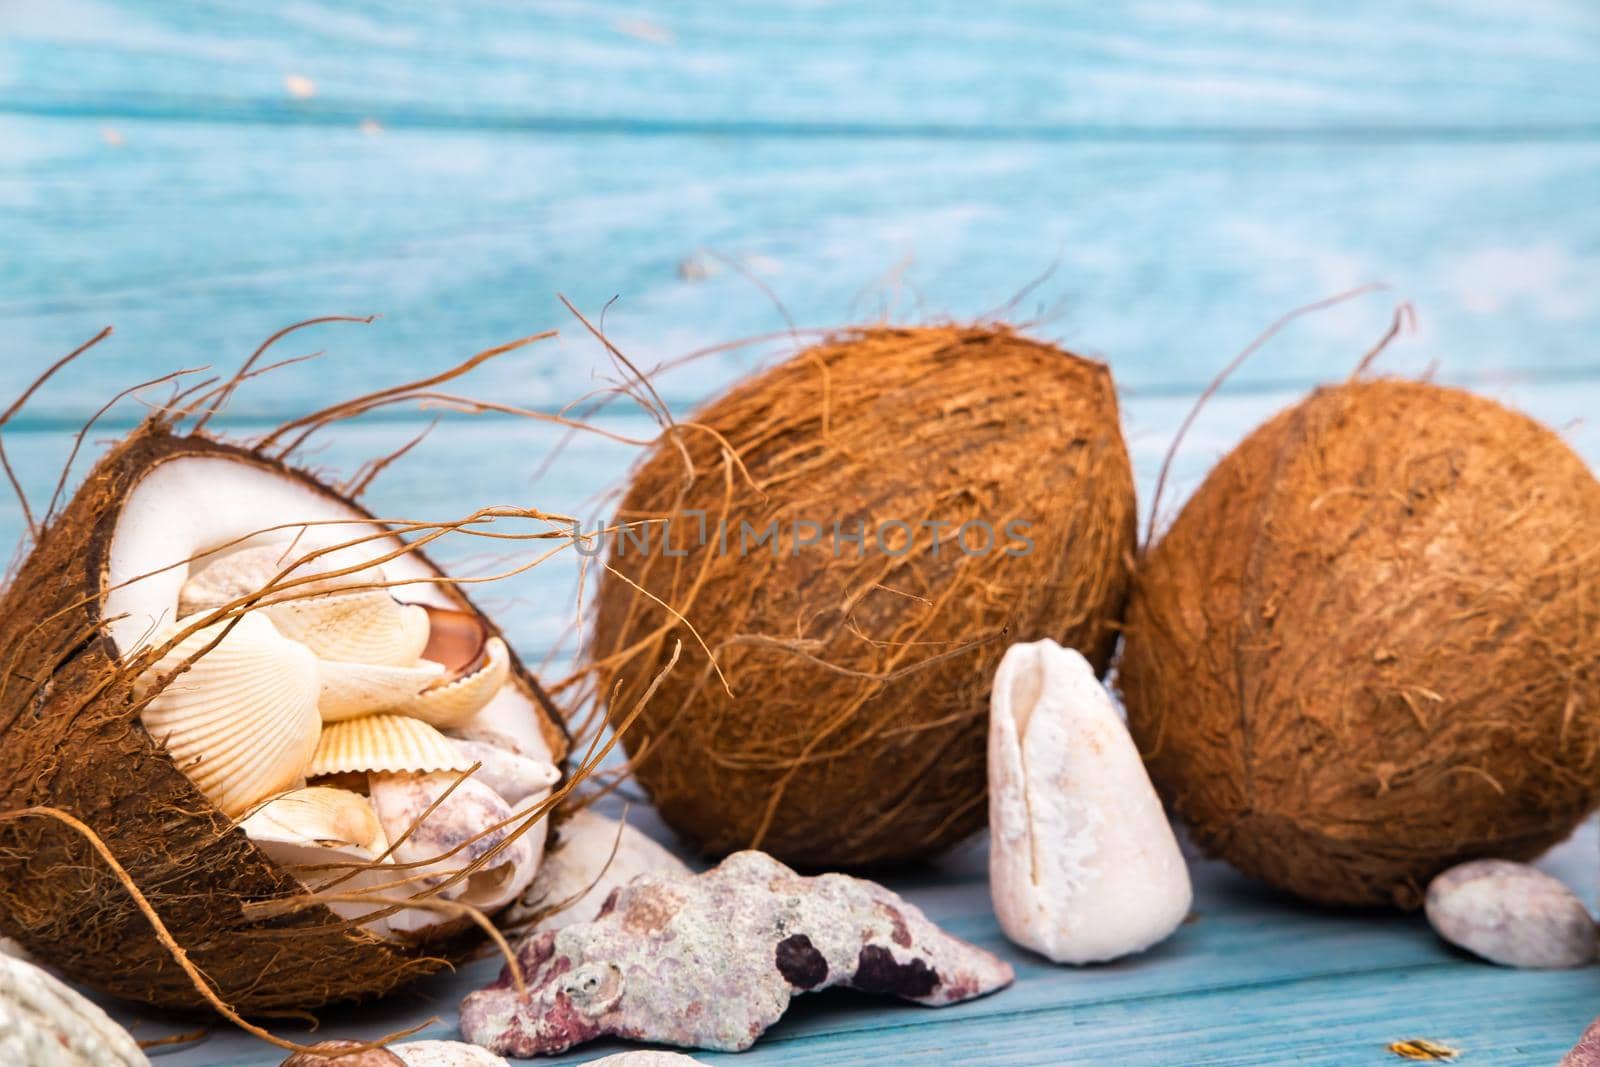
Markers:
point(1367, 648)
point(844, 722)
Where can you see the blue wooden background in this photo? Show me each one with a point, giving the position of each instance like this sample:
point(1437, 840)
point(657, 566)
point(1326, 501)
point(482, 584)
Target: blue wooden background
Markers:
point(200, 174)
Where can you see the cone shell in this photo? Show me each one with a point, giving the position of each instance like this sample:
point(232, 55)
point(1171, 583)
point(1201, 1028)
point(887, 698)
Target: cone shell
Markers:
point(385, 743)
point(447, 829)
point(351, 690)
point(250, 570)
point(242, 720)
point(456, 702)
point(364, 626)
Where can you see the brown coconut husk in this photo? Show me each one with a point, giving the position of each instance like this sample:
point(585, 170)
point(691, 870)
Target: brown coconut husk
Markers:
point(113, 866)
point(1366, 648)
point(833, 711)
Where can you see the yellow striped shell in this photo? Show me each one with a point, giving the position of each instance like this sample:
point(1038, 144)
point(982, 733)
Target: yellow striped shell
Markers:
point(384, 743)
point(250, 570)
point(242, 721)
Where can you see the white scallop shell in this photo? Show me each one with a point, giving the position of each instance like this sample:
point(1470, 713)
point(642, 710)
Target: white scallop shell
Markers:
point(455, 835)
point(384, 743)
point(362, 626)
point(242, 720)
point(250, 570)
point(351, 690)
point(454, 703)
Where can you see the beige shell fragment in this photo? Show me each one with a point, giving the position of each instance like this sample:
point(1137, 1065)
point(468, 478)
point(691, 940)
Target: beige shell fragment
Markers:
point(250, 570)
point(318, 815)
point(1083, 864)
point(455, 703)
point(455, 835)
point(592, 855)
point(242, 720)
point(327, 837)
point(44, 1023)
point(361, 626)
point(351, 690)
point(384, 743)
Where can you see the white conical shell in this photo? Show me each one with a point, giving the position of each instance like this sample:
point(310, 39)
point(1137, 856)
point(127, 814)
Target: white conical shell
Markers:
point(384, 743)
point(242, 721)
point(1083, 865)
point(514, 777)
point(250, 570)
point(318, 815)
point(362, 626)
point(351, 690)
point(454, 703)
point(454, 836)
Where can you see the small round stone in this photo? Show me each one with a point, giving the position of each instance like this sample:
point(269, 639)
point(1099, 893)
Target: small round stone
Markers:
point(1511, 914)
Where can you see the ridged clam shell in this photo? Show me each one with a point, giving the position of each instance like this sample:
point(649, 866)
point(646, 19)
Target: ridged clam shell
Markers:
point(351, 690)
point(242, 721)
point(363, 626)
point(250, 570)
point(318, 815)
point(456, 702)
point(384, 743)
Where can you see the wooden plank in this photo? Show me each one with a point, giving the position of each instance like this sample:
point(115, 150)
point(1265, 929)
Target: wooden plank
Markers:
point(468, 463)
point(1255, 979)
point(899, 68)
point(197, 240)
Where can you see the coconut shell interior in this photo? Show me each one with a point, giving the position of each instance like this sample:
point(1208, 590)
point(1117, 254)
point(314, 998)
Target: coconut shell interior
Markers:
point(854, 733)
point(71, 739)
point(1367, 648)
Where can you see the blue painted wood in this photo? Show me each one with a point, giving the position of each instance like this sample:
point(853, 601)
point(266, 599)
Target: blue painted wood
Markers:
point(799, 67)
point(198, 239)
point(1197, 168)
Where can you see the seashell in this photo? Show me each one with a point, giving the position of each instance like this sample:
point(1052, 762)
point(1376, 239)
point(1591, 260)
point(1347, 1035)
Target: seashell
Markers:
point(405, 1054)
point(318, 826)
point(455, 703)
point(1083, 864)
point(350, 690)
point(318, 815)
point(363, 626)
point(46, 1023)
point(1511, 914)
point(255, 568)
point(242, 721)
point(516, 778)
point(384, 743)
point(453, 837)
point(592, 855)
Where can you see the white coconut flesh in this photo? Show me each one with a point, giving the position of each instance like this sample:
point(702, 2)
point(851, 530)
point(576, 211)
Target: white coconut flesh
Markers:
point(186, 512)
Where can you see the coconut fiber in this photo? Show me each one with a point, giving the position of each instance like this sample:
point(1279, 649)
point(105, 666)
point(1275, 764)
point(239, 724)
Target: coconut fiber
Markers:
point(1367, 648)
point(71, 739)
point(844, 721)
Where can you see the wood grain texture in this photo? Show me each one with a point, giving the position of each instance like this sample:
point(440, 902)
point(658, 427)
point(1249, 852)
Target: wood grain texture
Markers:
point(905, 67)
point(197, 240)
point(200, 174)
